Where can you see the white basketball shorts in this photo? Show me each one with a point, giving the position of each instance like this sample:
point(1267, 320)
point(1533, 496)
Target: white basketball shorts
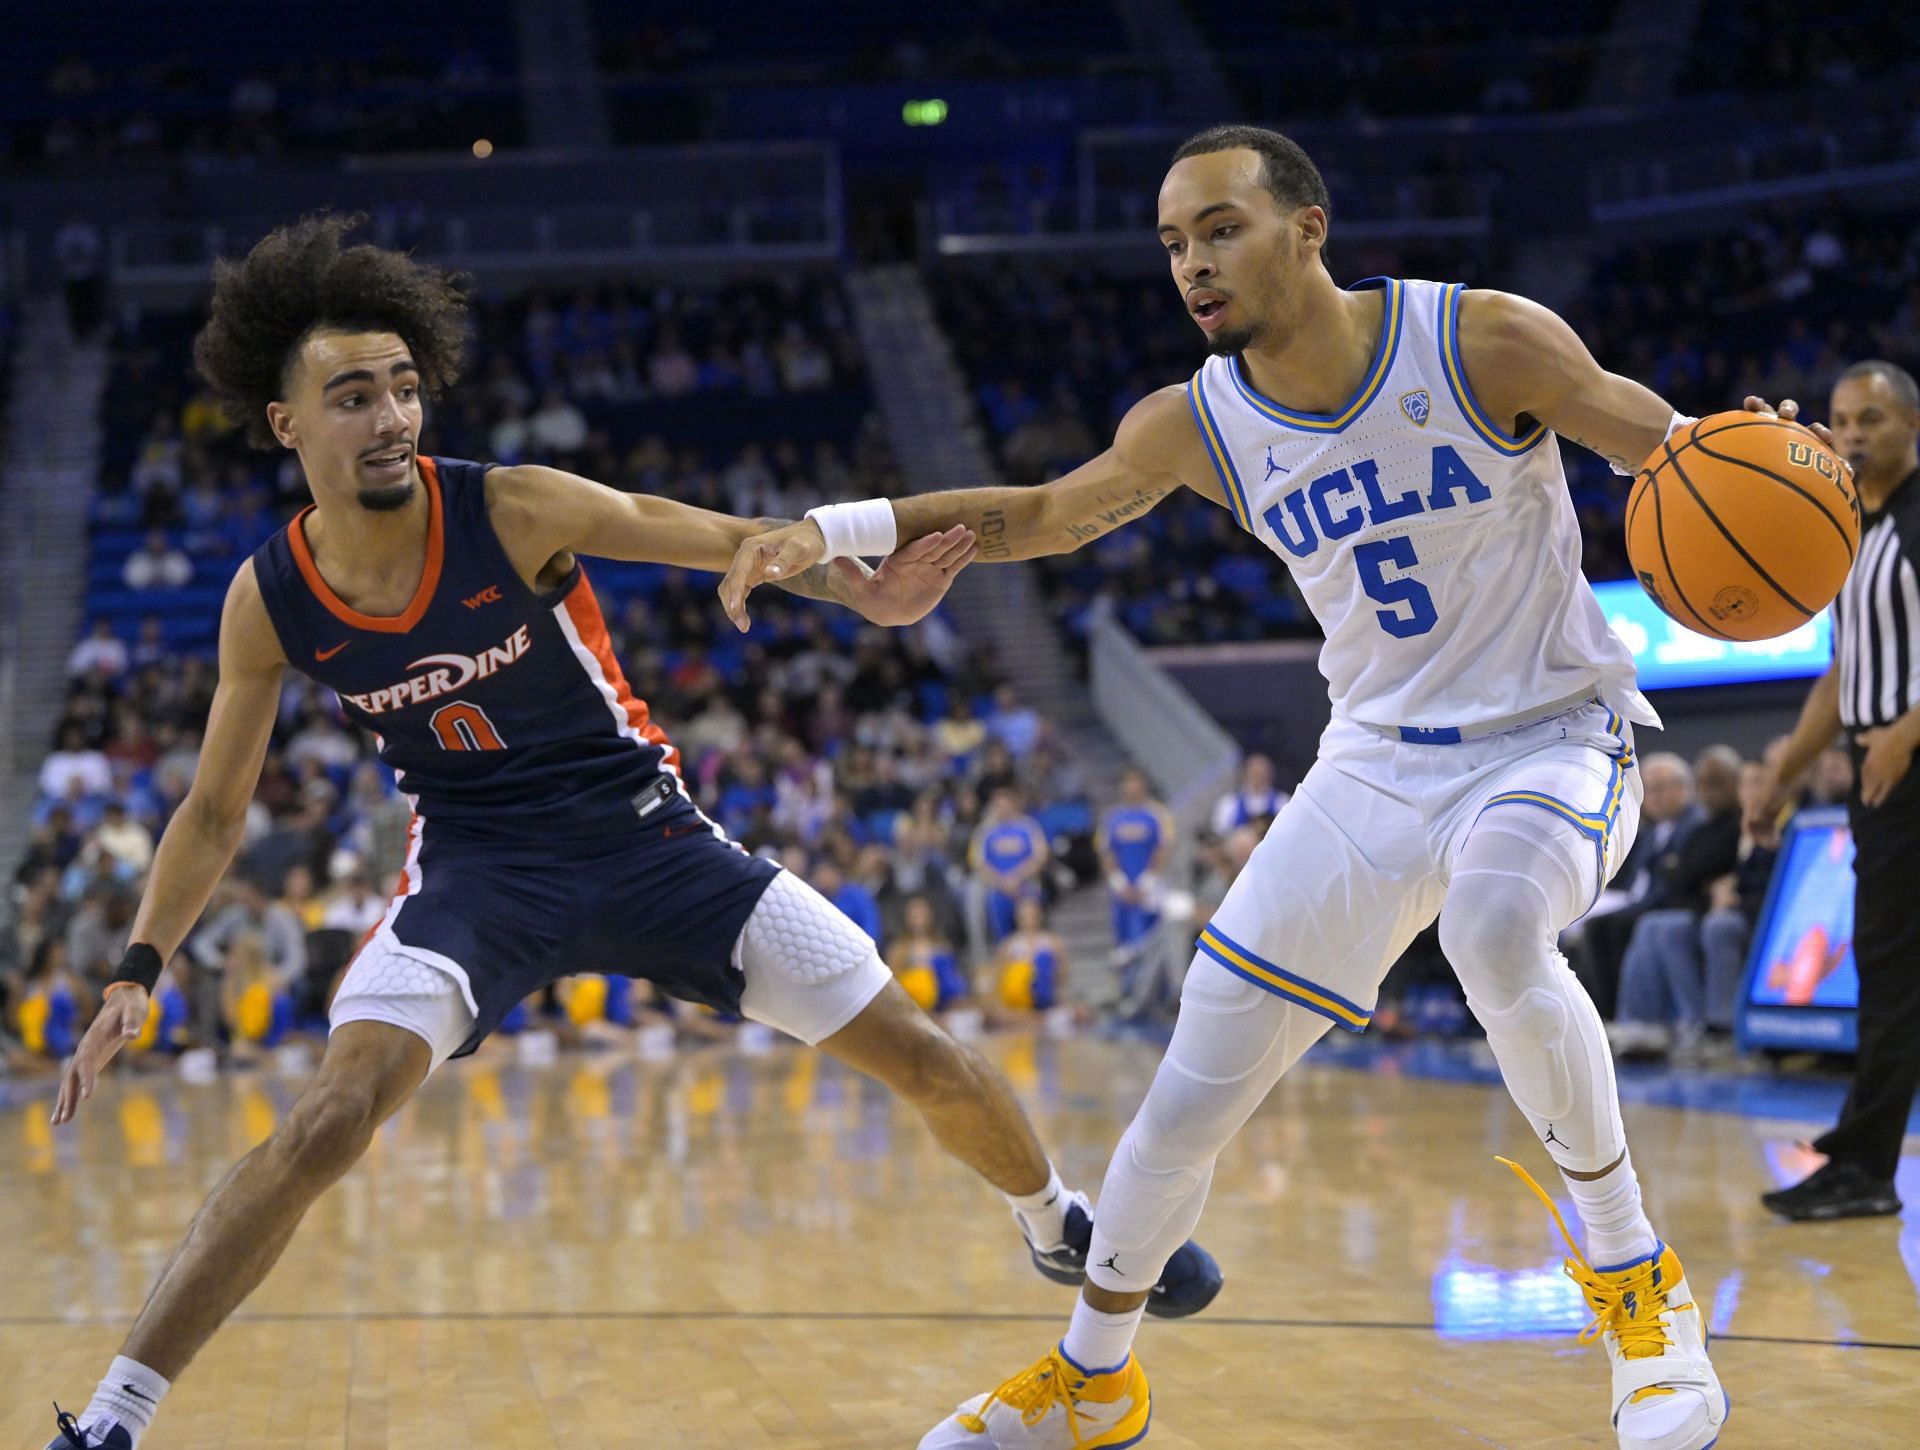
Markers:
point(1357, 863)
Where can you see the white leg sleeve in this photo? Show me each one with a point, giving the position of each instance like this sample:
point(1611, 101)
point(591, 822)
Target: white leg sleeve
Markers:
point(1232, 1043)
point(1522, 876)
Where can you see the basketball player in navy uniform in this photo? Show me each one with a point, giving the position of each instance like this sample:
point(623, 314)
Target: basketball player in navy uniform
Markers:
point(445, 603)
point(1390, 443)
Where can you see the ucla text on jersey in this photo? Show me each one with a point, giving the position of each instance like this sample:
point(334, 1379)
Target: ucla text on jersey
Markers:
point(1439, 552)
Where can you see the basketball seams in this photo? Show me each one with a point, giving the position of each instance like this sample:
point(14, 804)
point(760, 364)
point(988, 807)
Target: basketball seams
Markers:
point(1739, 548)
point(1754, 422)
point(1780, 479)
point(1660, 533)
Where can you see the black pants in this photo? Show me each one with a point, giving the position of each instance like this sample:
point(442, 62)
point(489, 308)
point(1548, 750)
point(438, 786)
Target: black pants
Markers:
point(1886, 950)
point(1603, 947)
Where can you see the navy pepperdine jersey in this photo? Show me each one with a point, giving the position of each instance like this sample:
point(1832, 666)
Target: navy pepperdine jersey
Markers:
point(498, 708)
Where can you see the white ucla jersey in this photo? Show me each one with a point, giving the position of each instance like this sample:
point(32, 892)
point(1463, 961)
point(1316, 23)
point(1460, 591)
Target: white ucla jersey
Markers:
point(1440, 554)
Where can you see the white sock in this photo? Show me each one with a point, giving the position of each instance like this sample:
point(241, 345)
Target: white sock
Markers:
point(128, 1396)
point(1100, 1342)
point(1044, 1214)
point(1617, 1227)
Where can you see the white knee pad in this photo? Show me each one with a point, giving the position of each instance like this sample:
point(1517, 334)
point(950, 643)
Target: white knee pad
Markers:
point(1511, 893)
point(809, 970)
point(1552, 1051)
point(1230, 1046)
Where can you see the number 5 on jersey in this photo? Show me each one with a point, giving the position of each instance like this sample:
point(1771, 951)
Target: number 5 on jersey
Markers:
point(1372, 558)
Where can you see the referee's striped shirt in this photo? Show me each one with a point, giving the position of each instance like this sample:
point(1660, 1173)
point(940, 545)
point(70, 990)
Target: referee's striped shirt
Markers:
point(1876, 619)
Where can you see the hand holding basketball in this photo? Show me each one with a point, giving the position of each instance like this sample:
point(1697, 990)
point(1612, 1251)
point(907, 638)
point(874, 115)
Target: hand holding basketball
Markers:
point(1743, 525)
point(1790, 410)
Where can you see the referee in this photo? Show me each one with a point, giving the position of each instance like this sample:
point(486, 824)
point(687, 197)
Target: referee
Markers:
point(1872, 692)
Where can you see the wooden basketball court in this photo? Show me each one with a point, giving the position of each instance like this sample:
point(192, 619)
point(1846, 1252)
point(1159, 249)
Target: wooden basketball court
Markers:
point(734, 1251)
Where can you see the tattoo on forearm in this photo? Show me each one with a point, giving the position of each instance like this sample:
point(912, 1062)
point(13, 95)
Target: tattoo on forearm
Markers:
point(1111, 518)
point(993, 535)
point(816, 583)
point(1614, 458)
point(823, 581)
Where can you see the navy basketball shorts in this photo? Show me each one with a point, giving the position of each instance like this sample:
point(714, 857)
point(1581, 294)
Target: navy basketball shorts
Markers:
point(479, 924)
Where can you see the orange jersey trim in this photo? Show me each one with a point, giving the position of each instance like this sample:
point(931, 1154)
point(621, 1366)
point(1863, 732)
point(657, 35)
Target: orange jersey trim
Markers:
point(429, 576)
point(584, 610)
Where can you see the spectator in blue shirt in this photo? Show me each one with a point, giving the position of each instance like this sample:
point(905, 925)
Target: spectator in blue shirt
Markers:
point(1013, 724)
point(1134, 839)
point(850, 896)
point(1009, 854)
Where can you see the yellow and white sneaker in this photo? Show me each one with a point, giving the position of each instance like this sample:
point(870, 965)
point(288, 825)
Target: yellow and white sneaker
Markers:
point(1666, 1395)
point(1053, 1404)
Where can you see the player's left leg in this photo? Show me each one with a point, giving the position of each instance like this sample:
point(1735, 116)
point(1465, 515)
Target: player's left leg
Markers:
point(815, 975)
point(1527, 868)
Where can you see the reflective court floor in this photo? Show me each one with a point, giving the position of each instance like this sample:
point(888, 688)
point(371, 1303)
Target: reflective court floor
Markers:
point(726, 1250)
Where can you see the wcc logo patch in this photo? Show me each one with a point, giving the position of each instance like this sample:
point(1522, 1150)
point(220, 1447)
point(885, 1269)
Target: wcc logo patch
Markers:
point(1418, 407)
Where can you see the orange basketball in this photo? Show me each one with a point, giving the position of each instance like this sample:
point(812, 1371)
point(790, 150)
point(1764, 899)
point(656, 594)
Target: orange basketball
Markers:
point(1742, 527)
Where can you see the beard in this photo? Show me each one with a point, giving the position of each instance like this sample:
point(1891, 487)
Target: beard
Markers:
point(387, 500)
point(1231, 341)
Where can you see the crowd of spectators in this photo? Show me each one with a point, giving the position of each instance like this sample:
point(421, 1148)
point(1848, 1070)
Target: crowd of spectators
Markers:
point(210, 105)
point(754, 339)
point(1752, 45)
point(1495, 57)
point(951, 41)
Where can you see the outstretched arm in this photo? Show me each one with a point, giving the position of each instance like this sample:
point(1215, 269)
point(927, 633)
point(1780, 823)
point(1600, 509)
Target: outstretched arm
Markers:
point(542, 513)
point(1155, 451)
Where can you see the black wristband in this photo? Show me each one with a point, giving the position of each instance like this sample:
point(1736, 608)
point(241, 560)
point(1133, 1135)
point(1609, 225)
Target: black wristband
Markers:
point(140, 965)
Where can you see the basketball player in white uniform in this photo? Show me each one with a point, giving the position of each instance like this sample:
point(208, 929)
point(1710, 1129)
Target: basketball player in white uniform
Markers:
point(1392, 444)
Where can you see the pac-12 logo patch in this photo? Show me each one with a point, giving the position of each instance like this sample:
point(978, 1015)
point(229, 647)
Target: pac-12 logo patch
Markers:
point(1417, 406)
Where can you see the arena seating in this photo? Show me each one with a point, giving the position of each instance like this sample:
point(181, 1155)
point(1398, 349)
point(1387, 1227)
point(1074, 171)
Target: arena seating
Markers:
point(241, 84)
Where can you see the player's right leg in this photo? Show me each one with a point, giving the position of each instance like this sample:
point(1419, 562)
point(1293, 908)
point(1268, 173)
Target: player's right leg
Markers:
point(369, 1069)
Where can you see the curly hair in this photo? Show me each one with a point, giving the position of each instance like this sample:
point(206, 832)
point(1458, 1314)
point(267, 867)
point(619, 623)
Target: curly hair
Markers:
point(303, 278)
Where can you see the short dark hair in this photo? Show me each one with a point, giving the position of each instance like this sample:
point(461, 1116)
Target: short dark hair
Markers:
point(1899, 381)
point(1287, 172)
point(303, 278)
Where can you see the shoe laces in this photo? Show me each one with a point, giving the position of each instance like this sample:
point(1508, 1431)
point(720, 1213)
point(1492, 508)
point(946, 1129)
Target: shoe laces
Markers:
point(69, 1427)
point(1034, 1392)
point(1627, 1304)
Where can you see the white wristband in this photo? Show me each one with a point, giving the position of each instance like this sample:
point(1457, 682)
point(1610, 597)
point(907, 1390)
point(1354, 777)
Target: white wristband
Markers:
point(1679, 421)
point(861, 530)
